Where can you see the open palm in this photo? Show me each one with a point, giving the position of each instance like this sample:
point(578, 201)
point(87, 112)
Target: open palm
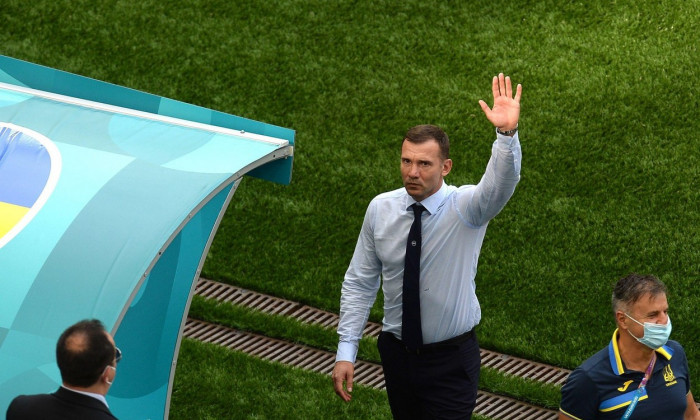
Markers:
point(506, 108)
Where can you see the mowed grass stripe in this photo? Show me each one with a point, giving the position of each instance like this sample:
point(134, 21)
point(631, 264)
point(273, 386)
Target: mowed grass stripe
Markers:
point(269, 304)
point(368, 374)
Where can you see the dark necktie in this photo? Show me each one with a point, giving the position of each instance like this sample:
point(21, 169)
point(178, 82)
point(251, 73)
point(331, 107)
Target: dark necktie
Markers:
point(411, 332)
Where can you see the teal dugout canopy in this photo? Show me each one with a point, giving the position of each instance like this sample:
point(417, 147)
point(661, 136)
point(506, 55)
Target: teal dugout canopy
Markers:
point(109, 200)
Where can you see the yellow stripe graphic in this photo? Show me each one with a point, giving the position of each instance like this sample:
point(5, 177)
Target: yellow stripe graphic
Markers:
point(624, 404)
point(10, 214)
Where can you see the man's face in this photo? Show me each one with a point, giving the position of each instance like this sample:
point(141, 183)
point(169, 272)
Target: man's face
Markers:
point(422, 168)
point(648, 308)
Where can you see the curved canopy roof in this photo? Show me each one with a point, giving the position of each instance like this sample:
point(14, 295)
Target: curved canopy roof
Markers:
point(109, 199)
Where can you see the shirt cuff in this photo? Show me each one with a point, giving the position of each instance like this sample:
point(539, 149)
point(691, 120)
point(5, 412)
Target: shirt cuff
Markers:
point(506, 140)
point(347, 352)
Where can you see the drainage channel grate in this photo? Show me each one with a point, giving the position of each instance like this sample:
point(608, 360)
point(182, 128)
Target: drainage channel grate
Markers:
point(502, 362)
point(368, 374)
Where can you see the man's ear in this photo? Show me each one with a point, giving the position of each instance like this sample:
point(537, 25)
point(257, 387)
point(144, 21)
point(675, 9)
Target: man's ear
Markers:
point(109, 374)
point(621, 320)
point(446, 167)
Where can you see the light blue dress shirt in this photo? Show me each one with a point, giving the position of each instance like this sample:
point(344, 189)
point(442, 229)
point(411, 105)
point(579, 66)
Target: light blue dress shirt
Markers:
point(453, 231)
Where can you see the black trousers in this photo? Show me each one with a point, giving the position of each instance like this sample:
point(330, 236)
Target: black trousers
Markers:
point(438, 382)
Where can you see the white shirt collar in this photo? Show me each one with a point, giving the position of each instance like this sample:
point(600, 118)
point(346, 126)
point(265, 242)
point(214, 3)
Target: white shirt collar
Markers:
point(433, 202)
point(99, 397)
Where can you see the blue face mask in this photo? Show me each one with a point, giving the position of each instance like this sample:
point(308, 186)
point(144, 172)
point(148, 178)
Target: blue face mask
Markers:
point(655, 335)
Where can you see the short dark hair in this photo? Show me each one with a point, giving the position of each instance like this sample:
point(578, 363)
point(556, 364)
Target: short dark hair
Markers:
point(426, 132)
point(632, 287)
point(83, 352)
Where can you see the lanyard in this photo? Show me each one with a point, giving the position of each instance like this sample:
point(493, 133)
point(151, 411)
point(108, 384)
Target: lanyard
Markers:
point(640, 390)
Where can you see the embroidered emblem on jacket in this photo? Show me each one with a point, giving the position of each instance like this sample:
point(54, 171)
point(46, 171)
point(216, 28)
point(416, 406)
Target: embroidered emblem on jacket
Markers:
point(669, 377)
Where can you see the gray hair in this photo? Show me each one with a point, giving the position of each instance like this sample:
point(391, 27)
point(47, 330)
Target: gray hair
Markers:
point(632, 287)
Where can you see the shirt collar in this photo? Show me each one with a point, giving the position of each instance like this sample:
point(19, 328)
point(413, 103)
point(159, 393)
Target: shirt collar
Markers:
point(616, 360)
point(432, 203)
point(99, 397)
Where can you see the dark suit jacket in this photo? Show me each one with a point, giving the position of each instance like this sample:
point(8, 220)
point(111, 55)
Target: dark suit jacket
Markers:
point(61, 405)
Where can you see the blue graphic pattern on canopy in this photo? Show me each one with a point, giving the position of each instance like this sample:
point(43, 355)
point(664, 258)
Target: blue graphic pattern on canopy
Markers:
point(114, 223)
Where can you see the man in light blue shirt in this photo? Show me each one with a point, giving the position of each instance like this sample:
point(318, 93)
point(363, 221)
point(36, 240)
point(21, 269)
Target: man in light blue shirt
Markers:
point(439, 378)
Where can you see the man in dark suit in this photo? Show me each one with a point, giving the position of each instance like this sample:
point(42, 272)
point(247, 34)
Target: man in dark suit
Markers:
point(87, 358)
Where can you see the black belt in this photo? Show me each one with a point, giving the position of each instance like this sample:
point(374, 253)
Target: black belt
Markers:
point(449, 344)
